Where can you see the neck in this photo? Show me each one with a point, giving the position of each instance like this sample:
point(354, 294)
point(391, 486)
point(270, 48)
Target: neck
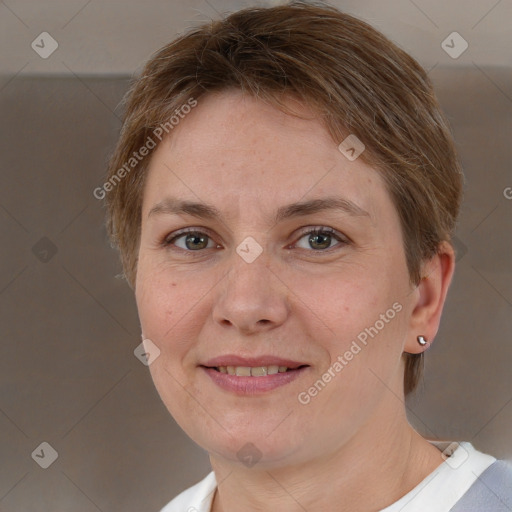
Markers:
point(378, 466)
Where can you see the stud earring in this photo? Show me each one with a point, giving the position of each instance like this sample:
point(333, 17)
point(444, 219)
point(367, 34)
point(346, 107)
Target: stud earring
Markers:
point(422, 341)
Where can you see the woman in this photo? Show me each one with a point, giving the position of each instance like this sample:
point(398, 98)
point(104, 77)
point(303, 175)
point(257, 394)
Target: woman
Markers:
point(283, 196)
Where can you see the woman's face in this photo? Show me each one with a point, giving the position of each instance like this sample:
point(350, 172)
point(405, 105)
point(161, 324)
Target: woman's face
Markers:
point(253, 287)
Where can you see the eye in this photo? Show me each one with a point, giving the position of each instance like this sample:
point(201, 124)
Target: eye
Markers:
point(320, 239)
point(190, 240)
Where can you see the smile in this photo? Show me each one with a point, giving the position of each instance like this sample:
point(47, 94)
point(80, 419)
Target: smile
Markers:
point(253, 380)
point(254, 371)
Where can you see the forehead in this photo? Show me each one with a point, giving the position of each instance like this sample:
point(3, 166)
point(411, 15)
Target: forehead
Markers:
point(236, 124)
point(236, 149)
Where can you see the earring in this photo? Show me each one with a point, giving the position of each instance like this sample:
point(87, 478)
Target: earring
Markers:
point(422, 341)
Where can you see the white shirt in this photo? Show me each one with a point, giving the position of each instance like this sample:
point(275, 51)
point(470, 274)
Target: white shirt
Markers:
point(438, 492)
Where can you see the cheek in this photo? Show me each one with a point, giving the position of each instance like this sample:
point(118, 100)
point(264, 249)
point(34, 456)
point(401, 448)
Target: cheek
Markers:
point(162, 305)
point(156, 305)
point(172, 306)
point(360, 317)
point(348, 301)
point(162, 310)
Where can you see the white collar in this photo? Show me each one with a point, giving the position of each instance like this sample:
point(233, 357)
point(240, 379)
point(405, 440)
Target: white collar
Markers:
point(439, 491)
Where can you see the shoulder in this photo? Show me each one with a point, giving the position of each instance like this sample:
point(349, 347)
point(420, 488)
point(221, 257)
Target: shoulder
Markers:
point(491, 492)
point(197, 498)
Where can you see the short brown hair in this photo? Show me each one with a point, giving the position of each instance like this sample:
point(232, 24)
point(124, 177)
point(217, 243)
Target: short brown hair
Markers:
point(357, 80)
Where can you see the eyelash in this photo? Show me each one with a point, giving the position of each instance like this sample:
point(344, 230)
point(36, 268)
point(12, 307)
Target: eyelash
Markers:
point(343, 240)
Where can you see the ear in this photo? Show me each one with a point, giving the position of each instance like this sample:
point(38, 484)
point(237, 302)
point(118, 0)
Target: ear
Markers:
point(431, 293)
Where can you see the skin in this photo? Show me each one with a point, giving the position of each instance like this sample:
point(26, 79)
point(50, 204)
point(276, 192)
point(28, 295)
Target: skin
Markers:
point(351, 444)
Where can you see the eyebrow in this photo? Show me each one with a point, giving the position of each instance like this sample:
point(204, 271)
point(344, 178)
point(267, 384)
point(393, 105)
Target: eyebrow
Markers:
point(174, 206)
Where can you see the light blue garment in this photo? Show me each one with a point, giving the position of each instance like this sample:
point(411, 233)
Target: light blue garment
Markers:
point(492, 492)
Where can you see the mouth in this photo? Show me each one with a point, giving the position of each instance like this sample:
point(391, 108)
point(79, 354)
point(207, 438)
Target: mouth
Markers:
point(255, 371)
point(245, 377)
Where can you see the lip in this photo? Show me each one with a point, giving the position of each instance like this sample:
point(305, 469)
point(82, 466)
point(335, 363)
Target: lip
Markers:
point(247, 386)
point(265, 360)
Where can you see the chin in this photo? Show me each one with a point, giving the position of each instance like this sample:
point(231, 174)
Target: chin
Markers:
point(249, 447)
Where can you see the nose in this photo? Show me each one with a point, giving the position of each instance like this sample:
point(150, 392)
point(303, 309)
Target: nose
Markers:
point(251, 298)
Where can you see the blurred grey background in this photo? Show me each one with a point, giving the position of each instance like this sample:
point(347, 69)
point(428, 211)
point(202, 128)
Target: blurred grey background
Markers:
point(68, 374)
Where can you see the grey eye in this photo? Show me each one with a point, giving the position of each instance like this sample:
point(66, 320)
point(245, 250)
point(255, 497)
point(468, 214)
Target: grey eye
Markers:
point(193, 241)
point(318, 239)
